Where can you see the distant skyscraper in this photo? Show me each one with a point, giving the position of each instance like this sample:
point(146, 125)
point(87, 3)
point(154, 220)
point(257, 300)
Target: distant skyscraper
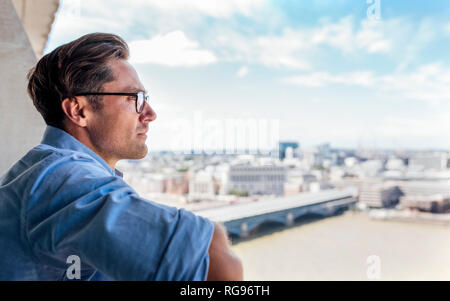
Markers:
point(284, 145)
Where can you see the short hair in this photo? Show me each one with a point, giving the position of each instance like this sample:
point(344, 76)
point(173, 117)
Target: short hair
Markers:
point(78, 66)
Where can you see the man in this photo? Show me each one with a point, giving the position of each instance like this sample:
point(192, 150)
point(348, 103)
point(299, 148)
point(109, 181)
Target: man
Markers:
point(65, 200)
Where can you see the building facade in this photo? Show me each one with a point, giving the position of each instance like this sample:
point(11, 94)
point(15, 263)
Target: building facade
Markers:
point(257, 180)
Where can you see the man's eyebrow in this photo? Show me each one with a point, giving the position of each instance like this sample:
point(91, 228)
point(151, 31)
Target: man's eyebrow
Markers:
point(133, 89)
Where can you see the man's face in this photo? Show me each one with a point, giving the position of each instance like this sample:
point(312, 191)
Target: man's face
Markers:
point(117, 131)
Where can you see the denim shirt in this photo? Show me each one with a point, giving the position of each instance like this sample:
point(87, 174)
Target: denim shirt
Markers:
point(62, 199)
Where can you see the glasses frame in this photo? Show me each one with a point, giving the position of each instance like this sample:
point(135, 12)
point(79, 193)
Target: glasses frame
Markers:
point(135, 94)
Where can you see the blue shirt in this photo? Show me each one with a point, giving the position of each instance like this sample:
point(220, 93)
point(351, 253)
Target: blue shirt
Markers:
point(63, 199)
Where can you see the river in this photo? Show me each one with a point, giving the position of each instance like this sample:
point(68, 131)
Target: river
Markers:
point(350, 246)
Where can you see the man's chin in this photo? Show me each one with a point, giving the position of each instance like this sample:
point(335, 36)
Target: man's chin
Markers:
point(143, 153)
point(139, 153)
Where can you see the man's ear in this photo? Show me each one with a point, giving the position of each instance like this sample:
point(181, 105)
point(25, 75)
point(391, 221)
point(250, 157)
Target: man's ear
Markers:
point(75, 109)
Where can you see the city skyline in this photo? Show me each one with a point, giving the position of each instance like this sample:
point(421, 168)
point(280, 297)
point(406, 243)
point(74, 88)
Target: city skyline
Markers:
point(341, 72)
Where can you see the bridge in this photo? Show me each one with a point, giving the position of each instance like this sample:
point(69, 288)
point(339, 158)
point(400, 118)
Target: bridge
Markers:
point(240, 219)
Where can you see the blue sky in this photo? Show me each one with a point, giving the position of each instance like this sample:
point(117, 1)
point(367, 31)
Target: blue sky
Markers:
point(340, 71)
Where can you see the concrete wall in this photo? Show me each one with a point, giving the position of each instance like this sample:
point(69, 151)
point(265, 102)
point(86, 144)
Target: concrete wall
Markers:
point(21, 126)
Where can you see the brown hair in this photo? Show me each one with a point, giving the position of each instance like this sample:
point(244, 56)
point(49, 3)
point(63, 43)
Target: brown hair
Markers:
point(81, 65)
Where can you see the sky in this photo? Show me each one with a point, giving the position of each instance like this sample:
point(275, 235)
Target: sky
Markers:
point(352, 73)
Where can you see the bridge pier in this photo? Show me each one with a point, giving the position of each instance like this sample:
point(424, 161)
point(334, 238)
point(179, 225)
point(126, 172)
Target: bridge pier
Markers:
point(244, 230)
point(289, 219)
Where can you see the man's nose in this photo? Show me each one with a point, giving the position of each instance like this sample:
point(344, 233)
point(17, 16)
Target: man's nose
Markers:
point(148, 114)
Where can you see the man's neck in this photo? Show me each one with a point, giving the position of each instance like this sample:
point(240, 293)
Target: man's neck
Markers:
point(82, 136)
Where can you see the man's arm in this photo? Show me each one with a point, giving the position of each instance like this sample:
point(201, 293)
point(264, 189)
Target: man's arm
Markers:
point(223, 264)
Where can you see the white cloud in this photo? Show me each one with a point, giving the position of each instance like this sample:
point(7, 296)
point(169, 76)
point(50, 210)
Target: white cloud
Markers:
point(428, 82)
point(422, 37)
point(242, 72)
point(447, 28)
point(219, 9)
point(399, 40)
point(172, 49)
point(78, 17)
point(297, 48)
point(317, 79)
point(72, 21)
point(321, 79)
point(285, 50)
point(339, 35)
point(372, 38)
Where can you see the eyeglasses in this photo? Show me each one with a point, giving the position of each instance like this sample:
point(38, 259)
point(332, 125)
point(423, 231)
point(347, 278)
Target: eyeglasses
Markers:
point(139, 97)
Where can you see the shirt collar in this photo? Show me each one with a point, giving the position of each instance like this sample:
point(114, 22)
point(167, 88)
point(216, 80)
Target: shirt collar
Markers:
point(61, 139)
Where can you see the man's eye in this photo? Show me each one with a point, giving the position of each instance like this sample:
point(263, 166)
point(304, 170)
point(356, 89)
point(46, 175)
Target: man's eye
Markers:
point(134, 97)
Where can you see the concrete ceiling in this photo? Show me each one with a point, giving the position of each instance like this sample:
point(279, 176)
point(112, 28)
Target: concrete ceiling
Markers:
point(37, 17)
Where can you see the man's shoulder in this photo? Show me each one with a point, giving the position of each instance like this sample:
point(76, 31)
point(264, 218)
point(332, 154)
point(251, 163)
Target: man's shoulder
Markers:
point(45, 160)
point(60, 159)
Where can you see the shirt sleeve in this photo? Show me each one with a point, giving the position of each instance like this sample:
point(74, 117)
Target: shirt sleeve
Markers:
point(79, 209)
